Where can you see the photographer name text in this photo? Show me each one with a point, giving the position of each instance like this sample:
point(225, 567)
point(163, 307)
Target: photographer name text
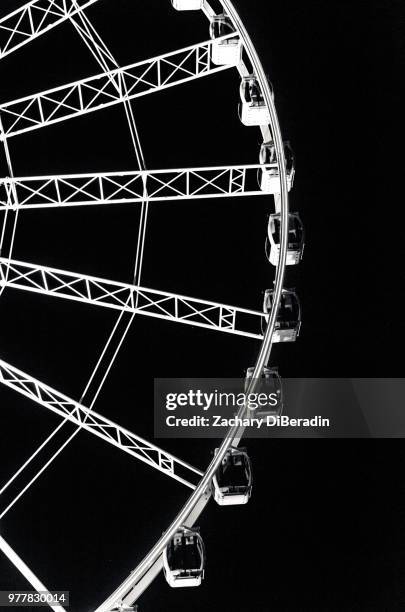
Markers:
point(254, 422)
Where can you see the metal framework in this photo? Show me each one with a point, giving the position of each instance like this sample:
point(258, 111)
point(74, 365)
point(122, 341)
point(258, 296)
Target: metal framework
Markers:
point(120, 85)
point(98, 425)
point(107, 89)
point(34, 19)
point(32, 579)
point(125, 297)
point(135, 584)
point(131, 187)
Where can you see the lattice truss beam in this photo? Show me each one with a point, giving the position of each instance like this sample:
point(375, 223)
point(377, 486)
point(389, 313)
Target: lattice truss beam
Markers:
point(98, 425)
point(130, 298)
point(107, 89)
point(127, 187)
point(34, 19)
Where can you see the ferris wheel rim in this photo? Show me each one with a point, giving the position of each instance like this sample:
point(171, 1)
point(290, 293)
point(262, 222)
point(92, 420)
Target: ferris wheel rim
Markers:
point(122, 595)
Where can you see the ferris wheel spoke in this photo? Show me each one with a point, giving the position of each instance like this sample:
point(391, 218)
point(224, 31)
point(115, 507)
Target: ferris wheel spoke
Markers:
point(132, 187)
point(28, 574)
point(34, 19)
point(131, 298)
point(106, 89)
point(94, 42)
point(98, 425)
point(107, 61)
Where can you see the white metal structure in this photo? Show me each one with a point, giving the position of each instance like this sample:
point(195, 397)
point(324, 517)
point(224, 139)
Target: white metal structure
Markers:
point(98, 425)
point(132, 187)
point(107, 89)
point(34, 19)
point(119, 85)
point(130, 298)
point(25, 570)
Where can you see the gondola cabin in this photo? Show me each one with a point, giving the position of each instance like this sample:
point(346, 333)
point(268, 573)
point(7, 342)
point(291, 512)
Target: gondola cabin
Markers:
point(269, 178)
point(232, 482)
point(187, 5)
point(288, 322)
point(184, 559)
point(269, 383)
point(224, 52)
point(253, 109)
point(296, 239)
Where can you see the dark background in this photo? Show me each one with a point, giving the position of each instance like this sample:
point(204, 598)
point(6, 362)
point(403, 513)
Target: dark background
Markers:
point(325, 529)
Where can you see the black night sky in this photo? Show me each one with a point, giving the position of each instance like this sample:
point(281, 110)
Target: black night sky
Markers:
point(325, 529)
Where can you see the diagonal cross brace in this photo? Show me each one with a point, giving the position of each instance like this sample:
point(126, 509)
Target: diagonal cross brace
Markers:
point(94, 423)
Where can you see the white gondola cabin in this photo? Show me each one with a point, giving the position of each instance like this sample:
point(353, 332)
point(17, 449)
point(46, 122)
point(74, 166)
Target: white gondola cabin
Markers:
point(224, 52)
point(253, 108)
point(184, 559)
point(296, 239)
point(269, 383)
point(187, 5)
point(288, 323)
point(233, 480)
point(269, 178)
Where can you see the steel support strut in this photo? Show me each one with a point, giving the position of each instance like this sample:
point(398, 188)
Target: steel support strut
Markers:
point(107, 89)
point(25, 571)
point(34, 19)
point(131, 187)
point(98, 425)
point(130, 298)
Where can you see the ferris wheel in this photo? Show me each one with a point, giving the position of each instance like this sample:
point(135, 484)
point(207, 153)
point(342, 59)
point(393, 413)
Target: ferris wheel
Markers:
point(180, 552)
